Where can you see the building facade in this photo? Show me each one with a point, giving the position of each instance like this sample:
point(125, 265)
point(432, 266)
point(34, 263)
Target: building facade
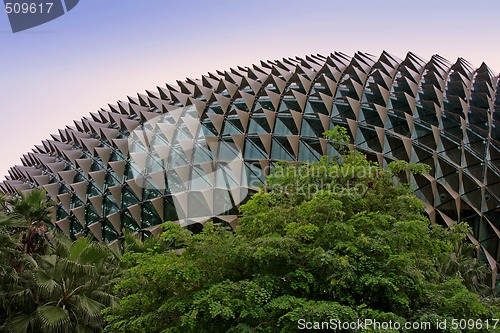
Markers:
point(435, 112)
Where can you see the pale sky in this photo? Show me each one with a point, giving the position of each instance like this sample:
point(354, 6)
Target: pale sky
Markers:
point(102, 51)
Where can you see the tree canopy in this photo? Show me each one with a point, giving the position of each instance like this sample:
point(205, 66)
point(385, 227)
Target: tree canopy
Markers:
point(49, 283)
point(338, 239)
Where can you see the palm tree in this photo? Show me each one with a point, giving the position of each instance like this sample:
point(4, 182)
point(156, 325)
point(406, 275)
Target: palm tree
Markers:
point(464, 264)
point(65, 291)
point(10, 258)
point(35, 208)
point(3, 201)
point(9, 245)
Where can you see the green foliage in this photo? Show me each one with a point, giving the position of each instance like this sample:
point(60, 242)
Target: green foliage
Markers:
point(64, 291)
point(174, 237)
point(10, 258)
point(355, 245)
point(49, 283)
point(9, 246)
point(399, 166)
point(339, 139)
point(34, 208)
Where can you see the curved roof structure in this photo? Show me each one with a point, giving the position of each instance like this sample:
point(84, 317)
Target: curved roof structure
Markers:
point(436, 112)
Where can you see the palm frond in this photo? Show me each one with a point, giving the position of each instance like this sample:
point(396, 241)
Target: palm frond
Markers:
point(60, 242)
point(45, 283)
point(47, 261)
point(33, 206)
point(21, 298)
point(77, 248)
point(75, 268)
point(94, 254)
point(19, 323)
point(53, 318)
point(104, 297)
point(9, 222)
point(89, 309)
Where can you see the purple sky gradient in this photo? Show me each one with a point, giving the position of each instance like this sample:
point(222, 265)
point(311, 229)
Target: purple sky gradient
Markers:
point(102, 51)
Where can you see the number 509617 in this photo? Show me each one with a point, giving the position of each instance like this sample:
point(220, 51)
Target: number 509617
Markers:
point(28, 8)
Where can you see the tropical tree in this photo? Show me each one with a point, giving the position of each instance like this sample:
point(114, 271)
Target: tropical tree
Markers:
point(35, 208)
point(9, 245)
point(464, 264)
point(3, 201)
point(10, 258)
point(338, 239)
point(64, 291)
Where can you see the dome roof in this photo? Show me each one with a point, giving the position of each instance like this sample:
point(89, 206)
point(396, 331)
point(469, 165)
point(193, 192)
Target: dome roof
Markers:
point(440, 113)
